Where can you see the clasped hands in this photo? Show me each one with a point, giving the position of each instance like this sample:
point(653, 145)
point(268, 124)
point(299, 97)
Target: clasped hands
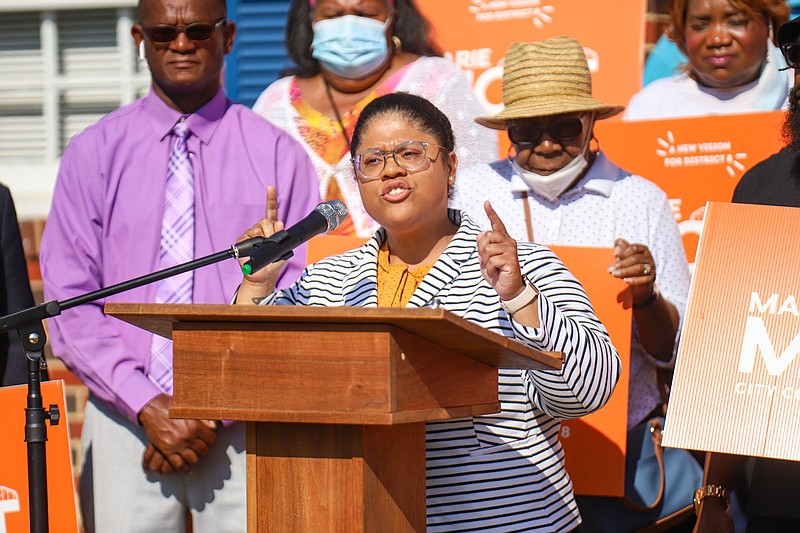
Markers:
point(175, 444)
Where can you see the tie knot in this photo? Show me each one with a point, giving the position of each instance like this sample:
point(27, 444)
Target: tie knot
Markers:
point(181, 129)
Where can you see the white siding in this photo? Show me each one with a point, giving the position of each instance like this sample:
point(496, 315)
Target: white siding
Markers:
point(60, 70)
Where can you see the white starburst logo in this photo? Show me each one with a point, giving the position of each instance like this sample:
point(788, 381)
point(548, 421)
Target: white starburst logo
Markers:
point(502, 10)
point(9, 503)
point(696, 154)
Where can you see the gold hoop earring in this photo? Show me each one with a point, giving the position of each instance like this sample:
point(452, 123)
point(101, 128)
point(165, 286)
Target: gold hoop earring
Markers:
point(398, 44)
point(596, 142)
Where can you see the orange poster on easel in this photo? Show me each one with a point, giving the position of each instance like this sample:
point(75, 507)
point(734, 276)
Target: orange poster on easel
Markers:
point(594, 445)
point(736, 387)
point(14, 500)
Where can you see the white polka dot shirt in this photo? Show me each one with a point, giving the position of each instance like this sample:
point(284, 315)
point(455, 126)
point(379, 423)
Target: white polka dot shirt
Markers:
point(606, 204)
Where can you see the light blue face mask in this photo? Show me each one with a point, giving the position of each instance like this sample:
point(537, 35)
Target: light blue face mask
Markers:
point(350, 47)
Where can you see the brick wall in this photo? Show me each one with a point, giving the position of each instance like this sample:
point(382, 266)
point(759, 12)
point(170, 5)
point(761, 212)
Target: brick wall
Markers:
point(656, 20)
point(76, 391)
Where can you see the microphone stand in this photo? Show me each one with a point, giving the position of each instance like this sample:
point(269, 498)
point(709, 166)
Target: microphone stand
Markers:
point(30, 326)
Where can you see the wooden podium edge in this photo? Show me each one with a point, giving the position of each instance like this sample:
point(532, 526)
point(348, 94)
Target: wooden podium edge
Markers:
point(159, 318)
point(319, 417)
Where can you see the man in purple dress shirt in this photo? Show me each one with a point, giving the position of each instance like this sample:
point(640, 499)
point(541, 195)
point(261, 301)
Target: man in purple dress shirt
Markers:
point(143, 471)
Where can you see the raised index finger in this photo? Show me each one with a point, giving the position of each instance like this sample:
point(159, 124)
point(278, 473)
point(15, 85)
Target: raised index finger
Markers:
point(272, 204)
point(494, 218)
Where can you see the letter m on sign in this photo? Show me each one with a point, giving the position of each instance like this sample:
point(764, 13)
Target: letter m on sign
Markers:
point(757, 339)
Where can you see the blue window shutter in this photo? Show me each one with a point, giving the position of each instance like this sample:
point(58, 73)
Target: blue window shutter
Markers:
point(259, 53)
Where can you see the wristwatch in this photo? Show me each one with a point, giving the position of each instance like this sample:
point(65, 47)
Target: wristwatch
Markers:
point(717, 491)
point(527, 296)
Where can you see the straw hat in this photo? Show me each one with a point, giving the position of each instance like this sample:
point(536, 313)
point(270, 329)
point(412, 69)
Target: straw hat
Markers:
point(546, 78)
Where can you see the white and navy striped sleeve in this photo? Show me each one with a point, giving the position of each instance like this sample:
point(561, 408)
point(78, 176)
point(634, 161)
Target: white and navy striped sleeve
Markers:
point(569, 325)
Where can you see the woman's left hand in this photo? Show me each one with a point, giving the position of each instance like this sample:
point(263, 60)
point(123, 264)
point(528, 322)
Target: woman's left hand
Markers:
point(636, 267)
point(261, 283)
point(499, 260)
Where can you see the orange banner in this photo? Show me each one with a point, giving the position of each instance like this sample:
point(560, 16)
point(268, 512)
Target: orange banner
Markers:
point(694, 160)
point(14, 501)
point(475, 34)
point(594, 445)
point(737, 379)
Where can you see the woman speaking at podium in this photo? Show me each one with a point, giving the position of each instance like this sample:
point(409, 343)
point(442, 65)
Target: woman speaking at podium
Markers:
point(498, 472)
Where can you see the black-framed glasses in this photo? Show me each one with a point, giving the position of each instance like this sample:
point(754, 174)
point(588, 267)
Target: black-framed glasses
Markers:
point(563, 129)
point(410, 155)
point(791, 53)
point(196, 31)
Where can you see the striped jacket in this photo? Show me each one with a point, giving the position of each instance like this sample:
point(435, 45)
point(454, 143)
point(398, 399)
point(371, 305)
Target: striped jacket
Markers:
point(505, 471)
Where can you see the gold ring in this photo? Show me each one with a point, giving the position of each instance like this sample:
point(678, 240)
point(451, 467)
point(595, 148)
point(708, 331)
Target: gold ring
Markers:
point(647, 269)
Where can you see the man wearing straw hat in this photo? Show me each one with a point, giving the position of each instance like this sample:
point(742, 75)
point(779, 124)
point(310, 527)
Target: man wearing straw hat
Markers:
point(555, 189)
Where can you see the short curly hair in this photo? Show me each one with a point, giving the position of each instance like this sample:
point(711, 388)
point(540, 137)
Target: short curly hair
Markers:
point(775, 11)
point(415, 109)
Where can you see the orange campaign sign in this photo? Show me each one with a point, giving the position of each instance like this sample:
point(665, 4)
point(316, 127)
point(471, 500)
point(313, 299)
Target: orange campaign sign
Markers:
point(14, 500)
point(594, 445)
point(475, 34)
point(694, 160)
point(737, 379)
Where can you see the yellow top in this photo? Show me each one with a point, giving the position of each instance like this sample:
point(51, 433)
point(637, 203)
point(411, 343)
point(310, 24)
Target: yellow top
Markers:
point(396, 283)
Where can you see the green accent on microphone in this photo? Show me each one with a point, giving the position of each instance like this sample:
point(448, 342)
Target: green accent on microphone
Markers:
point(247, 269)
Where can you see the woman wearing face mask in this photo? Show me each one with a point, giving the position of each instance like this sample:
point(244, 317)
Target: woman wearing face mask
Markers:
point(555, 189)
point(734, 65)
point(348, 52)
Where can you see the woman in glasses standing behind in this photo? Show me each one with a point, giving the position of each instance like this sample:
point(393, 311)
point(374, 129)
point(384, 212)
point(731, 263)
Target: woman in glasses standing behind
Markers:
point(499, 472)
point(556, 190)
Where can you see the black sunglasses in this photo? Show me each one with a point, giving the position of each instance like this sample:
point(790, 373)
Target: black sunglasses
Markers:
point(563, 130)
point(197, 31)
point(791, 53)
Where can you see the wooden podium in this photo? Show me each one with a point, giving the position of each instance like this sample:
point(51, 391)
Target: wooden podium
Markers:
point(336, 400)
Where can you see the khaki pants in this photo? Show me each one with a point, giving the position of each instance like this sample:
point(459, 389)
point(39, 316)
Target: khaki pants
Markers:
point(118, 496)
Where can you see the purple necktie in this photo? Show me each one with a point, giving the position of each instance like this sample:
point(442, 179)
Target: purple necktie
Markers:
point(177, 246)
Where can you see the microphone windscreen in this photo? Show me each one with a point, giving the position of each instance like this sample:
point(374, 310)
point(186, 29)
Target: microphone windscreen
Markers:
point(334, 211)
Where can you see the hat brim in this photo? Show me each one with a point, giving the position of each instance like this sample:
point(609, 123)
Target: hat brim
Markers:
point(545, 108)
point(788, 31)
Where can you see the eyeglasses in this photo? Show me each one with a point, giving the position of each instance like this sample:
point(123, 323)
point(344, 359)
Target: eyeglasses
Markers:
point(530, 134)
point(791, 52)
point(197, 31)
point(410, 155)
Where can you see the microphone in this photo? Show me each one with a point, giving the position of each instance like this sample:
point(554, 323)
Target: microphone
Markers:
point(325, 217)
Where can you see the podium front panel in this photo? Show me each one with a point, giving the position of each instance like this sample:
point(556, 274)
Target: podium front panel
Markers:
point(323, 373)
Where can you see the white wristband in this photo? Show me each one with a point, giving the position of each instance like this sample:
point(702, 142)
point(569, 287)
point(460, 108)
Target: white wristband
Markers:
point(527, 296)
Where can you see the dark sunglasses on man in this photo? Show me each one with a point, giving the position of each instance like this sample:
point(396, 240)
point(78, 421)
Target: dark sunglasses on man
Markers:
point(563, 129)
point(197, 31)
point(791, 53)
